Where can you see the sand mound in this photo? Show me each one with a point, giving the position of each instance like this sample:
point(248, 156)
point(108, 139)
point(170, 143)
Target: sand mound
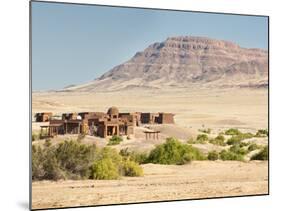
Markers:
point(172, 130)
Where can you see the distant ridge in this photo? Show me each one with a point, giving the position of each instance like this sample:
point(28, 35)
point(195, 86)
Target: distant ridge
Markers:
point(186, 61)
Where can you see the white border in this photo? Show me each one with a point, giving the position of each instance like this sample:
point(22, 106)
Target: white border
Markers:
point(14, 104)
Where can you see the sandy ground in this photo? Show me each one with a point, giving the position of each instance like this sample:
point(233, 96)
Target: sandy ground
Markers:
point(245, 109)
point(200, 179)
point(217, 109)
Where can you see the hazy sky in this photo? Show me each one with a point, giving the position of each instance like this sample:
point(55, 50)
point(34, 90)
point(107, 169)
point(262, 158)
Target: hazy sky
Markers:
point(73, 44)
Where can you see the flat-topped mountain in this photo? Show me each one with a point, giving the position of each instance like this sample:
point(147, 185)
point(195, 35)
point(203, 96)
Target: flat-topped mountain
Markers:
point(186, 61)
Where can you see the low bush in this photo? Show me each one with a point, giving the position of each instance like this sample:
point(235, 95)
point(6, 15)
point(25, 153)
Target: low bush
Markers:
point(174, 152)
point(208, 131)
point(253, 147)
point(202, 138)
point(47, 142)
point(262, 133)
point(105, 169)
point(45, 164)
point(229, 155)
point(244, 144)
point(35, 136)
point(213, 155)
point(191, 141)
point(140, 158)
point(246, 135)
point(132, 169)
point(219, 140)
point(262, 155)
point(232, 131)
point(237, 149)
point(74, 160)
point(236, 139)
point(81, 137)
point(115, 140)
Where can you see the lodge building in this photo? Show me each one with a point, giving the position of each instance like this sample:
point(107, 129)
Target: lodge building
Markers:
point(102, 124)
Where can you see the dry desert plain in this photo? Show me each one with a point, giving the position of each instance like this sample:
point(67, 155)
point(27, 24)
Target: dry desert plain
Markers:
point(245, 109)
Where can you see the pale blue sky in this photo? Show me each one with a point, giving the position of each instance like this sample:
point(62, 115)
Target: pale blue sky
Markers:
point(73, 44)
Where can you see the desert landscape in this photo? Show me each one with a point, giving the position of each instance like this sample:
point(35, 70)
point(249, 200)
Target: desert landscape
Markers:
point(212, 87)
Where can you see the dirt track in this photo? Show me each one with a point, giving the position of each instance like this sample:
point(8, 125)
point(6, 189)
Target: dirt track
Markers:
point(199, 179)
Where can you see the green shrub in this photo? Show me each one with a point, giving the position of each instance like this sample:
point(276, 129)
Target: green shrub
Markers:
point(76, 158)
point(262, 155)
point(191, 141)
point(219, 140)
point(208, 131)
point(37, 162)
point(232, 131)
point(174, 152)
point(246, 135)
point(253, 147)
point(262, 133)
point(234, 140)
point(51, 167)
point(140, 158)
point(110, 153)
point(202, 138)
point(238, 149)
point(47, 142)
point(244, 144)
point(105, 169)
point(229, 155)
point(45, 164)
point(125, 152)
point(115, 140)
point(132, 169)
point(213, 155)
point(81, 136)
point(35, 136)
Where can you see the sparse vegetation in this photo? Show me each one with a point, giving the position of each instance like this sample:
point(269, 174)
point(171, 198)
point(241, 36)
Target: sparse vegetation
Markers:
point(132, 169)
point(202, 138)
point(174, 152)
point(219, 140)
point(213, 155)
point(74, 160)
point(81, 137)
point(229, 155)
point(237, 149)
point(262, 155)
point(35, 136)
point(115, 140)
point(232, 131)
point(253, 147)
point(47, 142)
point(105, 169)
point(208, 131)
point(262, 133)
point(236, 139)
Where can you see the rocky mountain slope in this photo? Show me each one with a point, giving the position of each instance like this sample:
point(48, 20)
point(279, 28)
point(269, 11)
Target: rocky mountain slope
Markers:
point(184, 62)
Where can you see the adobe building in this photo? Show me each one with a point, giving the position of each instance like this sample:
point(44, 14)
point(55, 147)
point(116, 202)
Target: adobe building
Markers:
point(43, 117)
point(157, 118)
point(116, 124)
point(165, 118)
point(103, 124)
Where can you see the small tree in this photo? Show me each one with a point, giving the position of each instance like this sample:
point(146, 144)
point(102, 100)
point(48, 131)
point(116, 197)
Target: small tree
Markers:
point(262, 155)
point(132, 169)
point(213, 155)
point(202, 138)
point(115, 140)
